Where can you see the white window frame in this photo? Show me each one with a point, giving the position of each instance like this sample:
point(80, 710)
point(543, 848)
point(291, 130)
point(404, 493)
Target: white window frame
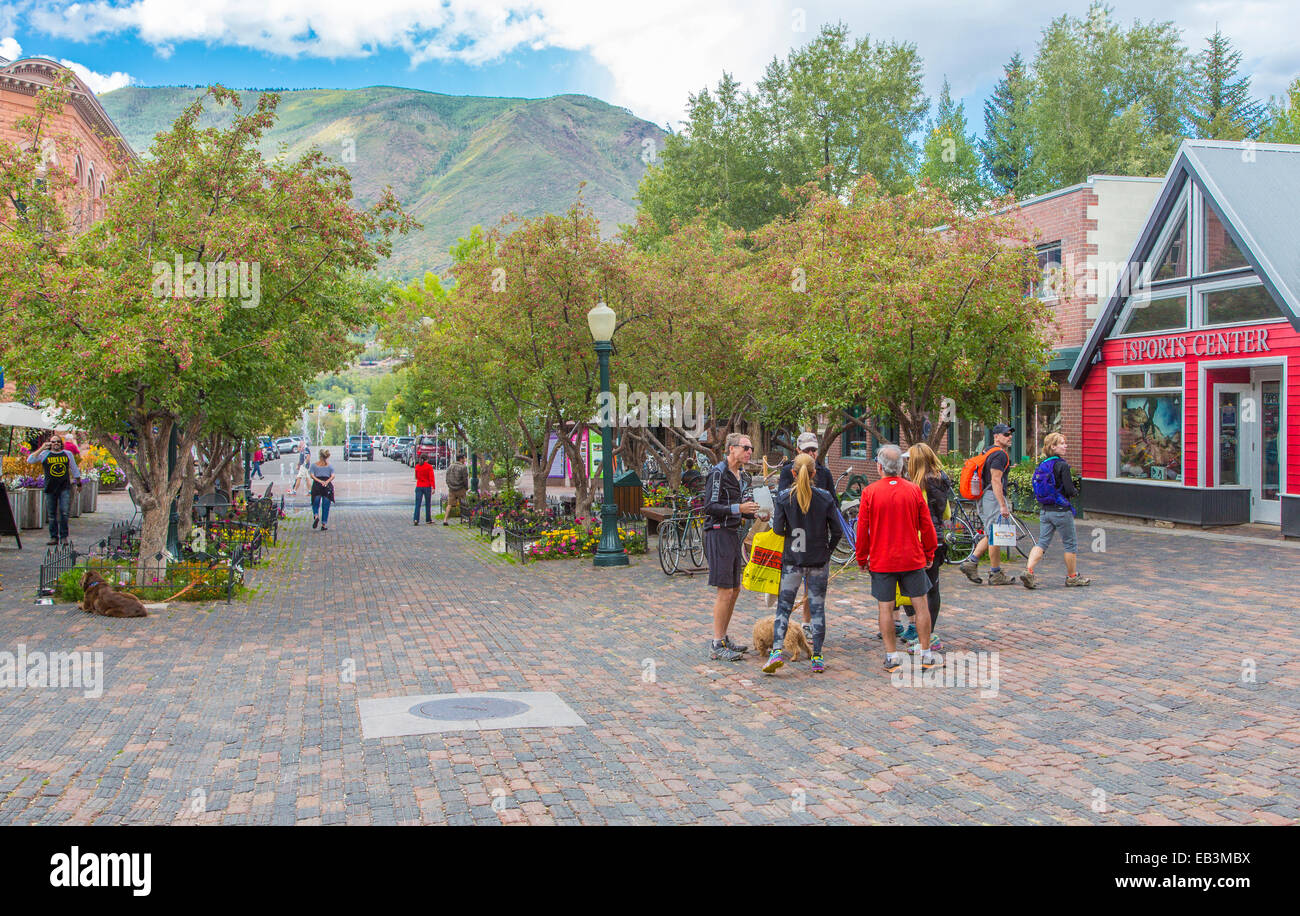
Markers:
point(1199, 212)
point(1181, 205)
point(1113, 395)
point(1200, 290)
point(1148, 296)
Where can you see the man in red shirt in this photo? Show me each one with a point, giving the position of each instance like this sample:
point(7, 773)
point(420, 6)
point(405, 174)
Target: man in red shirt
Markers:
point(897, 537)
point(424, 484)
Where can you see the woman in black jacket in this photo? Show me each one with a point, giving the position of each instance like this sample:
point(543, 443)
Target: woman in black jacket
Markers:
point(805, 516)
point(925, 471)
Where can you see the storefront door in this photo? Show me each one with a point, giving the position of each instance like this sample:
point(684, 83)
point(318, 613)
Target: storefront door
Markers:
point(1247, 449)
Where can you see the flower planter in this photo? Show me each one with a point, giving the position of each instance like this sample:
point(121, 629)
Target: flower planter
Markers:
point(90, 495)
point(28, 507)
point(74, 504)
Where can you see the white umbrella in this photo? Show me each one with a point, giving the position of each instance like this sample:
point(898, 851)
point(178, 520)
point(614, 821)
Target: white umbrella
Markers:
point(15, 413)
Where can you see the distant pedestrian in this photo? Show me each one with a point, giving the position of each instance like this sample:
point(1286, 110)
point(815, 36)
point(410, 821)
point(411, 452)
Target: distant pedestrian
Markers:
point(805, 516)
point(924, 470)
point(304, 456)
point(60, 470)
point(322, 490)
point(1053, 489)
point(258, 457)
point(994, 508)
point(692, 476)
point(424, 484)
point(897, 539)
point(725, 506)
point(457, 487)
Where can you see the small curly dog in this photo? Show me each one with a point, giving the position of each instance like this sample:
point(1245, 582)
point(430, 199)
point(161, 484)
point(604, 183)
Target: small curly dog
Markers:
point(796, 640)
point(101, 599)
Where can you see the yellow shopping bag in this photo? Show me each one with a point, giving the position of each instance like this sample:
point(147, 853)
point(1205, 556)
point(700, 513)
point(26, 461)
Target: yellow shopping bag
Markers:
point(763, 571)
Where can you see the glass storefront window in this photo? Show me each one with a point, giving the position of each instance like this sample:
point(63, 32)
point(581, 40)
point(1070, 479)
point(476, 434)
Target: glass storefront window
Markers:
point(1156, 314)
point(1043, 414)
point(1243, 303)
point(1149, 437)
point(1221, 253)
point(1166, 380)
point(1132, 380)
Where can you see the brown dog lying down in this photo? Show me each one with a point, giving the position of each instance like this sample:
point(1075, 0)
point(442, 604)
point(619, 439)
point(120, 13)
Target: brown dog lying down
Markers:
point(795, 640)
point(101, 599)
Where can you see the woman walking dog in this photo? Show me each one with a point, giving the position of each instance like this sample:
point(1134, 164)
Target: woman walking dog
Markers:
point(805, 516)
point(322, 490)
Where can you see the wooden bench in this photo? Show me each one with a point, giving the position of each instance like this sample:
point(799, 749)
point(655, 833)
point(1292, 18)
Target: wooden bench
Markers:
point(654, 515)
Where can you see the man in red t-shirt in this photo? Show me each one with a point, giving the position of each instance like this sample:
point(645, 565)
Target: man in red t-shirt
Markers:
point(424, 484)
point(897, 537)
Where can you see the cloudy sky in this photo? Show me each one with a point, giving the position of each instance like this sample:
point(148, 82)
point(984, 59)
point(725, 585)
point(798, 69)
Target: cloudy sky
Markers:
point(644, 56)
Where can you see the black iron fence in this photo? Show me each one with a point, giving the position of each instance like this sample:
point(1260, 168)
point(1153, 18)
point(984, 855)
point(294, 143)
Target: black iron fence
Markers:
point(151, 579)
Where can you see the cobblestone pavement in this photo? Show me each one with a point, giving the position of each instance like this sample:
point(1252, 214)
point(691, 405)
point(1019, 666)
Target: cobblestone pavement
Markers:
point(1166, 692)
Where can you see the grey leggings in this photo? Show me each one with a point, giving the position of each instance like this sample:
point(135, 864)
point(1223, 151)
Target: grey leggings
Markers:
point(814, 579)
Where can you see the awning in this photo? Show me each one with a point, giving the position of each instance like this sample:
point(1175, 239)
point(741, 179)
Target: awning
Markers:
point(15, 413)
point(1064, 358)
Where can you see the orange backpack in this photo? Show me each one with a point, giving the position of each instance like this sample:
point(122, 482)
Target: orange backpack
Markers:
point(969, 484)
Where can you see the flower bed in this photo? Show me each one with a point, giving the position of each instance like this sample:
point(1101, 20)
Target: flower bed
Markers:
point(580, 539)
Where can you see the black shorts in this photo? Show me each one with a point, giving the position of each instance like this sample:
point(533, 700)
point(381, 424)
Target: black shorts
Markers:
point(722, 553)
point(886, 586)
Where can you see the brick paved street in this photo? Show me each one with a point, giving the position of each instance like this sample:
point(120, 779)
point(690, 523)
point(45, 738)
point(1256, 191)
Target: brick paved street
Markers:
point(1123, 703)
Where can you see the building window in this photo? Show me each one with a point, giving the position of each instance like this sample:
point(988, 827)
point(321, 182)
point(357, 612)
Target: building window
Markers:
point(1043, 413)
point(1221, 252)
point(1242, 303)
point(1156, 313)
point(1049, 271)
point(854, 442)
point(967, 436)
point(1149, 426)
point(1173, 260)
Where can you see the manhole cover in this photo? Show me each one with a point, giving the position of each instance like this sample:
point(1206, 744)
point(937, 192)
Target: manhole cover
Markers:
point(462, 708)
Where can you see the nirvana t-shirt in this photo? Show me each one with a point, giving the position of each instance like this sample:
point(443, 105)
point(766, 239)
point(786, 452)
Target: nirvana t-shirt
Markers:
point(57, 466)
point(998, 460)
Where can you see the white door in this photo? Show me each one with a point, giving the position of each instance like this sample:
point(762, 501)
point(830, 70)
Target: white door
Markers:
point(1235, 417)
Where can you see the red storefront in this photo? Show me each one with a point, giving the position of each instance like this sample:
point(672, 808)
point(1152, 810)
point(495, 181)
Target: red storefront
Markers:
point(1191, 372)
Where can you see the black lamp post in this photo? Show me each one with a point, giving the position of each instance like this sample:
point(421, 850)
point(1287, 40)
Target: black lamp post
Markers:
point(174, 519)
point(602, 322)
point(473, 472)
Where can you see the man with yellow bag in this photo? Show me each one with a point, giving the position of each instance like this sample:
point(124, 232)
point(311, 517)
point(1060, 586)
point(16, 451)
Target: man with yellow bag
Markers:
point(723, 511)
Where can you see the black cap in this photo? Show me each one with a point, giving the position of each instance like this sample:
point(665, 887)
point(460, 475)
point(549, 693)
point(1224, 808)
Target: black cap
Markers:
point(1003, 429)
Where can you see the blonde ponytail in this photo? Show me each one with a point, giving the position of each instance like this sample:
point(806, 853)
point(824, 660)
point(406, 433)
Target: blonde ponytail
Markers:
point(804, 468)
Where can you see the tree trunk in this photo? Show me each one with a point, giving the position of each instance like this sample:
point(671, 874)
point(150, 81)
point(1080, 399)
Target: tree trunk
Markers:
point(539, 471)
point(185, 501)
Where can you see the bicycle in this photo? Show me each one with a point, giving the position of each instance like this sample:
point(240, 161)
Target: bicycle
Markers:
point(682, 535)
point(848, 505)
point(965, 529)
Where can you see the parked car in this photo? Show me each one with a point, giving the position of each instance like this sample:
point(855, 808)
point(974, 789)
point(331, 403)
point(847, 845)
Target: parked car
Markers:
point(397, 445)
point(360, 446)
point(286, 445)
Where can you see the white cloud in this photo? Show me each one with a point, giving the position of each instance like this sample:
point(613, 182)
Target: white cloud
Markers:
point(658, 52)
point(98, 82)
point(10, 49)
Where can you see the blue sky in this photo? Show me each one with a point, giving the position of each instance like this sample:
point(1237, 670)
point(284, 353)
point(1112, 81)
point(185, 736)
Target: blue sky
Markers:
point(645, 57)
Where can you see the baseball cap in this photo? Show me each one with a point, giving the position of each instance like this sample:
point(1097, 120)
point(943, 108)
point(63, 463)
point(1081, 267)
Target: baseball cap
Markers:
point(807, 441)
point(1003, 429)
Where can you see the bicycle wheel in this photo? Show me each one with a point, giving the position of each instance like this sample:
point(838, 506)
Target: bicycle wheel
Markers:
point(668, 547)
point(960, 538)
point(695, 541)
point(1025, 540)
point(843, 553)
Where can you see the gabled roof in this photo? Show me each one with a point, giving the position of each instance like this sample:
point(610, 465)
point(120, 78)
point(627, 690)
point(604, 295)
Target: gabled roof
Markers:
point(1254, 188)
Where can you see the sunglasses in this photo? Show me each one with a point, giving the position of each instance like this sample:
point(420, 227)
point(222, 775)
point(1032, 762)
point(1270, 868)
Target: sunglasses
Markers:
point(745, 448)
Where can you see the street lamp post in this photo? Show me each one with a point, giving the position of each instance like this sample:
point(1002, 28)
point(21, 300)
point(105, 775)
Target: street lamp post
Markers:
point(173, 517)
point(602, 322)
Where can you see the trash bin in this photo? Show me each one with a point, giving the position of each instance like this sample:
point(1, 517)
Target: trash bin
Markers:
point(90, 495)
point(628, 495)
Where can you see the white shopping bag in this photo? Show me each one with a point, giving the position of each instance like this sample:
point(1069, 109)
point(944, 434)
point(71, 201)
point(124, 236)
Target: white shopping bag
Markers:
point(1004, 534)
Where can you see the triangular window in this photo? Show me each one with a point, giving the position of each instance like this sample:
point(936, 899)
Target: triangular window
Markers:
point(1221, 252)
point(1172, 262)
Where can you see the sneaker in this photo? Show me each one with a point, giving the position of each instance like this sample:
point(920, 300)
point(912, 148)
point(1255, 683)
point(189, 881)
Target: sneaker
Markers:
point(930, 660)
point(998, 577)
point(720, 651)
point(971, 569)
point(892, 666)
point(416, 522)
point(731, 645)
point(323, 528)
point(818, 666)
point(445, 524)
point(52, 542)
point(315, 520)
point(774, 660)
point(1077, 580)
point(909, 634)
point(936, 643)
point(1028, 580)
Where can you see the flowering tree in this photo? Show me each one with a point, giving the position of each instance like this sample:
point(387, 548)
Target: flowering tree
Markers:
point(894, 304)
point(215, 286)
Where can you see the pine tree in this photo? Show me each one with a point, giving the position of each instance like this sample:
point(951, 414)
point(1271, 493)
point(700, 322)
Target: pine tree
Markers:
point(949, 160)
point(1007, 149)
point(1221, 106)
point(1284, 117)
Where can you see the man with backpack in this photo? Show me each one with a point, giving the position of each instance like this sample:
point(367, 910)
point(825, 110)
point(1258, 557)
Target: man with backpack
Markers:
point(983, 477)
point(1054, 488)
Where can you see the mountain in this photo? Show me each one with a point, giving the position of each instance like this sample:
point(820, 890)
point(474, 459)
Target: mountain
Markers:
point(453, 161)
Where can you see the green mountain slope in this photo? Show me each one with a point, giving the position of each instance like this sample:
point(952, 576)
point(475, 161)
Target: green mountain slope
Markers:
point(453, 161)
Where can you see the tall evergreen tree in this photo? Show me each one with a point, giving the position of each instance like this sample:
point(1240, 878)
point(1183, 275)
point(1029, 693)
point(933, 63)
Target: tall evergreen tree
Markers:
point(1284, 117)
point(1221, 107)
point(949, 160)
point(1007, 151)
